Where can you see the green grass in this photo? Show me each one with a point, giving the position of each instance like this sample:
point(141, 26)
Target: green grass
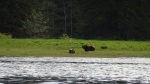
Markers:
point(60, 47)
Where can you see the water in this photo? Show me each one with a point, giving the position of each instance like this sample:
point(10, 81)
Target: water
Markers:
point(63, 70)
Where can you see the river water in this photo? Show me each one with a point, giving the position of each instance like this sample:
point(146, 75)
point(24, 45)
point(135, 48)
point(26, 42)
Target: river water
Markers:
point(69, 70)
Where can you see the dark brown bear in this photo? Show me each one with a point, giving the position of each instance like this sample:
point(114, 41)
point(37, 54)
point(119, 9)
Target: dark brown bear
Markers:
point(88, 48)
point(71, 51)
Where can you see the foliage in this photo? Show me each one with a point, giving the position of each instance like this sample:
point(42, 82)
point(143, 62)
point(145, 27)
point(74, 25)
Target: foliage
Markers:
point(35, 25)
point(103, 19)
point(116, 19)
point(4, 36)
point(104, 47)
point(64, 36)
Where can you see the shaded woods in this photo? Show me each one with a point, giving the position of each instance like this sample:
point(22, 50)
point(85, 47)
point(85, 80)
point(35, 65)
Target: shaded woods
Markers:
point(85, 19)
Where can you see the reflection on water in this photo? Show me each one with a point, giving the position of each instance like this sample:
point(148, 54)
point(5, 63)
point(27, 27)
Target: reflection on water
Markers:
point(63, 70)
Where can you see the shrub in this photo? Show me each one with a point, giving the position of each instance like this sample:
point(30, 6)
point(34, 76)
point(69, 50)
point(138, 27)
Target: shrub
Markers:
point(5, 36)
point(104, 47)
point(64, 36)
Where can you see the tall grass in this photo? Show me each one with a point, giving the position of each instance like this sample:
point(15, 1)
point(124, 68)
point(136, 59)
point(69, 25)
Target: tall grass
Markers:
point(60, 47)
point(5, 36)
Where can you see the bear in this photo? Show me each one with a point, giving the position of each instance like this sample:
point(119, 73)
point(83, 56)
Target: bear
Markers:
point(71, 51)
point(88, 48)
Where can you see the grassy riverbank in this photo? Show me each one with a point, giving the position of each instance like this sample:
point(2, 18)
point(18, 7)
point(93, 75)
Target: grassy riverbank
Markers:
point(60, 47)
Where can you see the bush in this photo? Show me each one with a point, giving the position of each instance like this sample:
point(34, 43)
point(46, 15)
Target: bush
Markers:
point(64, 36)
point(104, 47)
point(5, 36)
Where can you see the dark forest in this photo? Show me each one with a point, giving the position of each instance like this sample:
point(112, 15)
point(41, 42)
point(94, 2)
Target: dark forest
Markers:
point(81, 19)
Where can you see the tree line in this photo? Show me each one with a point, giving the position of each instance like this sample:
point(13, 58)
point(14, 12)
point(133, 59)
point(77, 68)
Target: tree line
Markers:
point(85, 19)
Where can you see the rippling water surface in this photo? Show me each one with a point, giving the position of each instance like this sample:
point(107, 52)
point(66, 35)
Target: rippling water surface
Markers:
point(63, 70)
